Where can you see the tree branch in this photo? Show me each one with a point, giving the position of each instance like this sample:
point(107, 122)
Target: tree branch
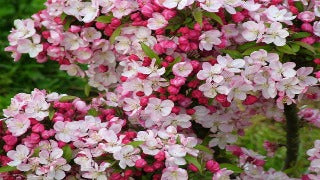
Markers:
point(292, 127)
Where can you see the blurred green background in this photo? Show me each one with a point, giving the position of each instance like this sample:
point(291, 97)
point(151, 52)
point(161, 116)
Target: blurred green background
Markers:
point(25, 75)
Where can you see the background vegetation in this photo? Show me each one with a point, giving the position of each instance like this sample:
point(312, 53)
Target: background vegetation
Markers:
point(25, 75)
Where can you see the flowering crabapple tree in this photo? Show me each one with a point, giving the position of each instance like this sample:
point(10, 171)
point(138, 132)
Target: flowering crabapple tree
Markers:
point(178, 82)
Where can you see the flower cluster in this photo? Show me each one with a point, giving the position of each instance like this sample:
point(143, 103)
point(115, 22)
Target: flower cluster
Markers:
point(259, 72)
point(178, 79)
point(315, 162)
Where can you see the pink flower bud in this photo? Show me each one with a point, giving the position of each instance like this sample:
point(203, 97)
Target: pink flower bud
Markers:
point(169, 13)
point(158, 164)
point(38, 128)
point(158, 49)
point(148, 169)
point(317, 74)
point(197, 27)
point(307, 27)
point(74, 29)
point(293, 9)
point(115, 176)
point(185, 102)
point(309, 40)
point(115, 22)
point(259, 162)
point(108, 31)
point(183, 40)
point(34, 138)
point(238, 17)
point(156, 177)
point(317, 61)
point(61, 144)
point(46, 34)
point(100, 25)
point(140, 163)
point(128, 173)
point(221, 98)
point(178, 81)
point(193, 168)
point(7, 148)
point(46, 134)
point(175, 110)
point(212, 166)
point(173, 90)
point(306, 16)
point(195, 64)
point(191, 111)
point(170, 59)
point(147, 10)
point(4, 160)
point(160, 156)
point(250, 100)
point(10, 140)
point(80, 105)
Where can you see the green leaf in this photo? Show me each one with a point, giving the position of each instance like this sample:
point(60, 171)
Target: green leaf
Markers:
point(193, 160)
point(150, 53)
point(306, 46)
point(135, 144)
point(63, 16)
point(7, 169)
point(246, 46)
point(213, 16)
point(67, 98)
point(300, 35)
point(67, 153)
point(68, 22)
point(203, 148)
point(286, 49)
point(36, 152)
point(233, 53)
point(256, 48)
point(198, 16)
point(51, 113)
point(299, 6)
point(104, 19)
point(231, 167)
point(115, 34)
point(93, 112)
point(295, 47)
point(87, 90)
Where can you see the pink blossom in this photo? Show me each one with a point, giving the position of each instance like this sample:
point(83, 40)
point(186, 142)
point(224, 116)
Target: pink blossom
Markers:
point(18, 125)
point(174, 173)
point(157, 108)
point(252, 30)
point(24, 29)
point(33, 48)
point(222, 174)
point(127, 156)
point(157, 21)
point(281, 15)
point(98, 171)
point(182, 69)
point(208, 39)
point(180, 4)
point(211, 5)
point(276, 34)
point(18, 156)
